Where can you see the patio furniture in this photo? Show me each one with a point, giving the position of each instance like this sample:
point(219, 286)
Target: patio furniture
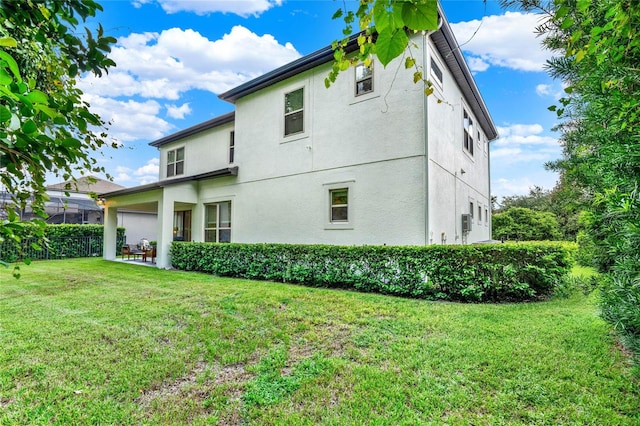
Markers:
point(150, 252)
point(126, 249)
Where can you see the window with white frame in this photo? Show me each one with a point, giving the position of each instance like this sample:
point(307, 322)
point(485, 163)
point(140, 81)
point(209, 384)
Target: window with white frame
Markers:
point(486, 145)
point(486, 215)
point(294, 112)
point(175, 162)
point(339, 209)
point(479, 214)
point(232, 146)
point(364, 79)
point(467, 125)
point(436, 72)
point(471, 209)
point(217, 228)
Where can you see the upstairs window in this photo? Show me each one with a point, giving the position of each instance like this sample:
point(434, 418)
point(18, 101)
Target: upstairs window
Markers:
point(218, 222)
point(436, 72)
point(479, 214)
point(232, 146)
point(339, 205)
point(467, 126)
point(364, 79)
point(294, 112)
point(175, 162)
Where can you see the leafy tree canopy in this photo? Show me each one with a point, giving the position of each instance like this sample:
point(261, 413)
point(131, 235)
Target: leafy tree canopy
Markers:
point(45, 126)
point(383, 28)
point(525, 224)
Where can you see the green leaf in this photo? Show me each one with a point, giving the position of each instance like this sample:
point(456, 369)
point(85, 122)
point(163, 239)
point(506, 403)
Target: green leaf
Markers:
point(29, 127)
point(409, 63)
point(5, 77)
point(5, 114)
point(381, 16)
point(37, 97)
point(390, 45)
point(8, 42)
point(337, 14)
point(13, 65)
point(420, 16)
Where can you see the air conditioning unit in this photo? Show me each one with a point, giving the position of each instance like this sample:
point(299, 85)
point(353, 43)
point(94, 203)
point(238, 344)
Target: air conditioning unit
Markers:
point(467, 221)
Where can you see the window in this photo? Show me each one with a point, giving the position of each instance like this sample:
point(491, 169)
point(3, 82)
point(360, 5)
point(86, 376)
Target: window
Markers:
point(436, 71)
point(339, 205)
point(217, 228)
point(486, 146)
point(175, 162)
point(232, 145)
point(478, 140)
point(486, 216)
point(468, 133)
point(294, 112)
point(364, 79)
point(479, 214)
point(182, 225)
point(471, 209)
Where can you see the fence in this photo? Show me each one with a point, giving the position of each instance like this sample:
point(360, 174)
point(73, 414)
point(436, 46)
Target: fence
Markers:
point(56, 248)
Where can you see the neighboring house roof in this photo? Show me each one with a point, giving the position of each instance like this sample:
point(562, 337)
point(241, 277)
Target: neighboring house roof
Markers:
point(228, 171)
point(209, 124)
point(85, 185)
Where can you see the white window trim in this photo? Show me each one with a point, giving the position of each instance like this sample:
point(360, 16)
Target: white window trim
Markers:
point(469, 155)
point(306, 111)
point(375, 82)
point(218, 228)
point(184, 162)
point(437, 82)
point(327, 188)
point(355, 80)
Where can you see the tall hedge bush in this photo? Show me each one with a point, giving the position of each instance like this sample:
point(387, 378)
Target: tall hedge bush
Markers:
point(474, 273)
point(61, 241)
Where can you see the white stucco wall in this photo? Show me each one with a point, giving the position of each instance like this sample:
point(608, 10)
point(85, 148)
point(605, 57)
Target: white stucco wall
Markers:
point(405, 179)
point(138, 225)
point(456, 178)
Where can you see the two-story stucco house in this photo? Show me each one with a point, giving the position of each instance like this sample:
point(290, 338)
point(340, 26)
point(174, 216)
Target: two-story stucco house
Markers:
point(371, 160)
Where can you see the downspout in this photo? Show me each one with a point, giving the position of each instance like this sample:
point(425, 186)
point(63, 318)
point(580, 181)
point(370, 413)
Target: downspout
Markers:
point(425, 112)
point(490, 218)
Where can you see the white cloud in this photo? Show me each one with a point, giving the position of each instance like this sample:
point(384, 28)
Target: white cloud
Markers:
point(543, 90)
point(165, 65)
point(146, 174)
point(178, 112)
point(201, 7)
point(130, 120)
point(505, 41)
point(523, 134)
point(521, 185)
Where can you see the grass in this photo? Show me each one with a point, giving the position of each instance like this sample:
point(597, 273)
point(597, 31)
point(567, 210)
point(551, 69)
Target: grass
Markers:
point(92, 342)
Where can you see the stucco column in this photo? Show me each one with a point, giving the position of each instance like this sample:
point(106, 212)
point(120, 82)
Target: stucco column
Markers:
point(110, 233)
point(165, 230)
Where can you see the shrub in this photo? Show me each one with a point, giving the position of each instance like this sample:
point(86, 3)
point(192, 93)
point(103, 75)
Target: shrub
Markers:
point(61, 241)
point(473, 273)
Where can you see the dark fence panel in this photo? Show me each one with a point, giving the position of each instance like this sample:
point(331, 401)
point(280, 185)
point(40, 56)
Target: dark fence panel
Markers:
point(55, 248)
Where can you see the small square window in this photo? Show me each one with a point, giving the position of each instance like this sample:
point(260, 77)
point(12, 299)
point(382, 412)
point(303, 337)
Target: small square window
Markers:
point(175, 162)
point(339, 205)
point(294, 112)
point(364, 78)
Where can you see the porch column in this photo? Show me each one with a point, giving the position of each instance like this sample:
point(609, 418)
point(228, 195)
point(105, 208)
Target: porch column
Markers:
point(164, 231)
point(110, 233)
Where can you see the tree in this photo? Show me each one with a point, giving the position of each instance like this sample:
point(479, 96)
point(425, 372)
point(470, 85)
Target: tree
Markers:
point(383, 28)
point(45, 126)
point(525, 224)
point(598, 47)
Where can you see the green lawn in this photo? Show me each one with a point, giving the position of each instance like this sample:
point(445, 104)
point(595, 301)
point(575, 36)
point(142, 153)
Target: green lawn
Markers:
point(92, 342)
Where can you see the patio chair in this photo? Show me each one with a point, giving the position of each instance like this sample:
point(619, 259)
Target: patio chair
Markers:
point(126, 250)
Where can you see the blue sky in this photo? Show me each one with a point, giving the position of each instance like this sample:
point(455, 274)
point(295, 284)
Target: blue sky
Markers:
point(174, 56)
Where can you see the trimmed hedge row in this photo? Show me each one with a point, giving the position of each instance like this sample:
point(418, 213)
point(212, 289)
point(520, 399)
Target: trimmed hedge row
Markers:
point(472, 273)
point(63, 241)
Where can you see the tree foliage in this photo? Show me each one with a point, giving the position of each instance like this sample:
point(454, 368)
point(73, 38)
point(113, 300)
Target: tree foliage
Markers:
point(525, 224)
point(45, 125)
point(598, 47)
point(383, 28)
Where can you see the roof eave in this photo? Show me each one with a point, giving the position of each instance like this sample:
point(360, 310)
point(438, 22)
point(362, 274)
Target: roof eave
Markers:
point(228, 171)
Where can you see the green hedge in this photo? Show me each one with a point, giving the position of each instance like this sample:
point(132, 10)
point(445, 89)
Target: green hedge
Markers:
point(62, 241)
point(474, 273)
